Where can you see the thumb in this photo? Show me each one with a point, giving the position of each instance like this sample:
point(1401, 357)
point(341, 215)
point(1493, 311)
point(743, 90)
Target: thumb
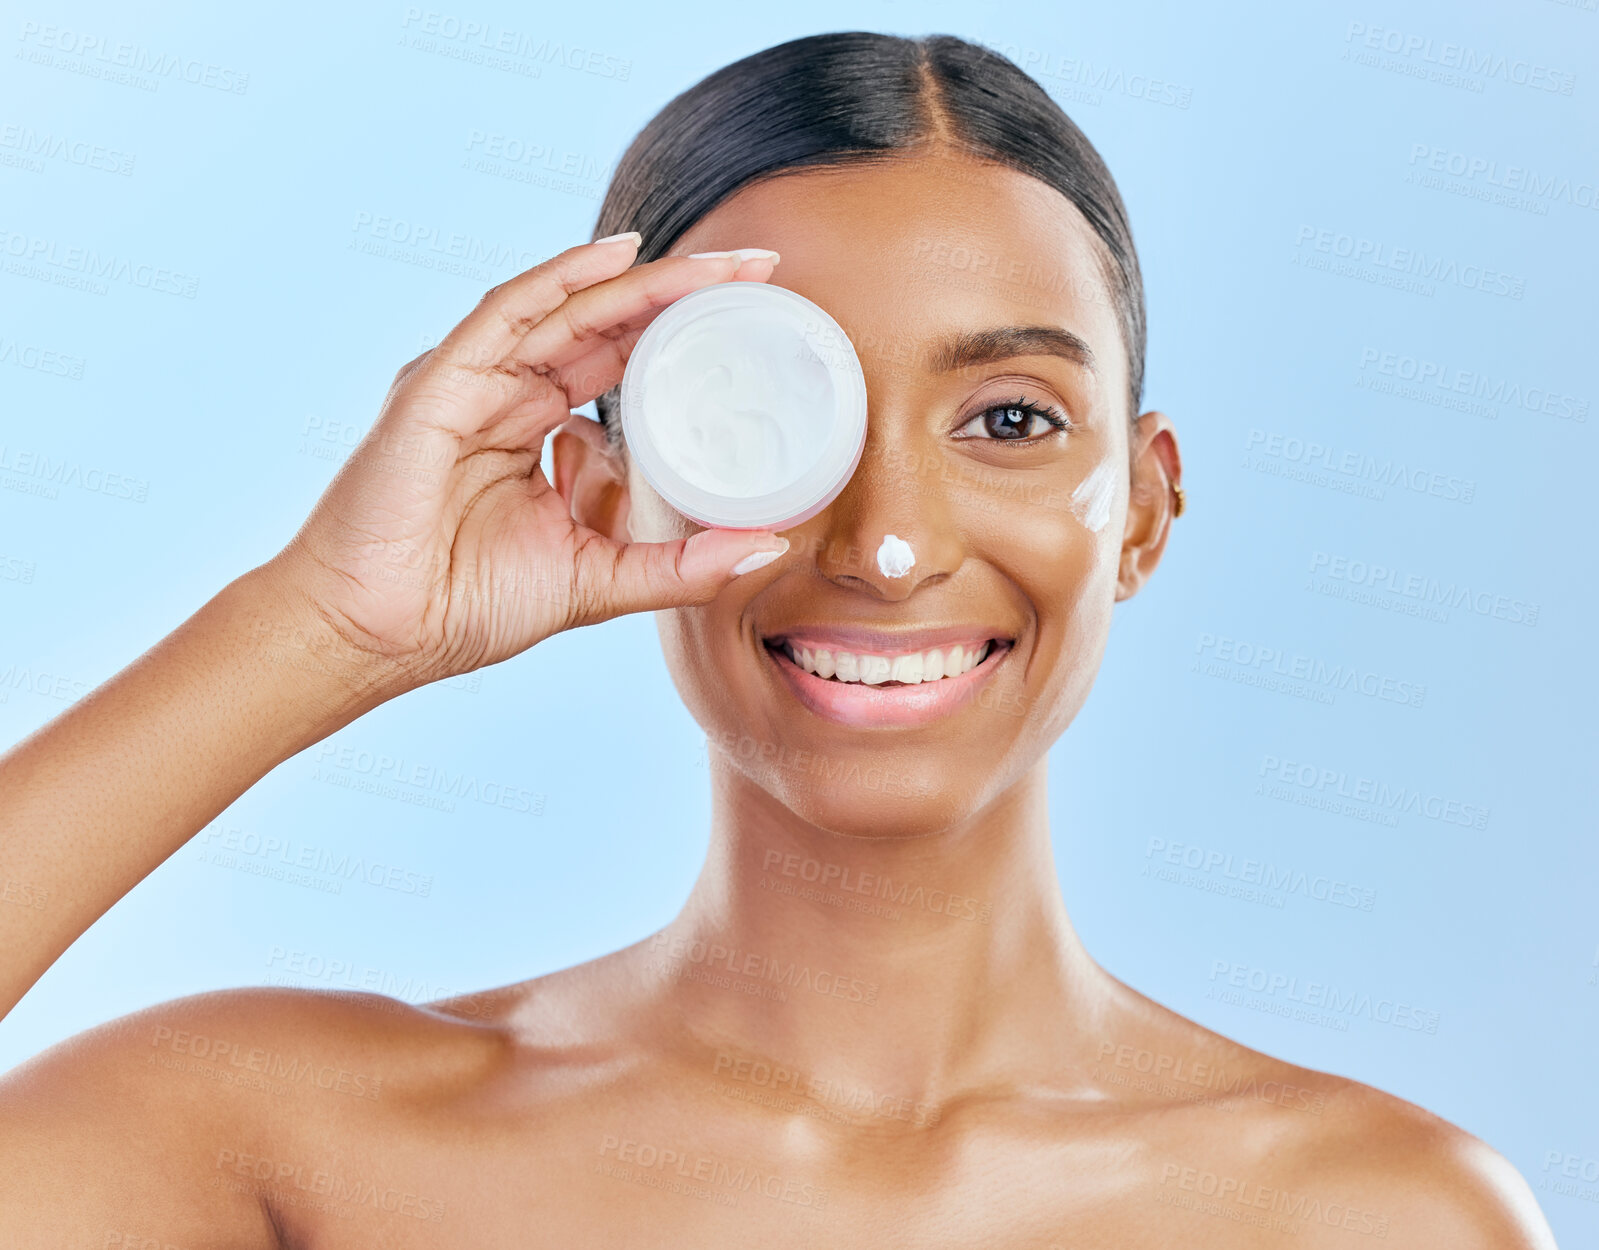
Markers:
point(648, 576)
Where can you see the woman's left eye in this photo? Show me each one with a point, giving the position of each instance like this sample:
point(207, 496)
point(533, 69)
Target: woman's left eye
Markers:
point(1010, 421)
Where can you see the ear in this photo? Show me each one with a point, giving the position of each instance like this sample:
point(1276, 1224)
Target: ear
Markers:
point(1152, 504)
point(591, 477)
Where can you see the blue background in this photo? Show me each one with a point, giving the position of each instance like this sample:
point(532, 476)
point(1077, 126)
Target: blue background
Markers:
point(1252, 149)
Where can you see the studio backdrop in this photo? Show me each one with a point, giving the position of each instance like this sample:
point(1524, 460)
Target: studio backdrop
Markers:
point(1333, 792)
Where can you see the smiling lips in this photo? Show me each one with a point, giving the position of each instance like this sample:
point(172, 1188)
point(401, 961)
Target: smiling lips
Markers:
point(866, 677)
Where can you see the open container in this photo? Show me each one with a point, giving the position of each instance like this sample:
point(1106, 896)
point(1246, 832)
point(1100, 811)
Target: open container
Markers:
point(744, 406)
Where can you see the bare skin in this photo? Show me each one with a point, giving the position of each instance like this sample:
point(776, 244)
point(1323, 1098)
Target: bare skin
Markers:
point(785, 1064)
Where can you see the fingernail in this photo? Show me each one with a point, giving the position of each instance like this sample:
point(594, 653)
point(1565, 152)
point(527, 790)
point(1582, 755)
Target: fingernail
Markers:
point(758, 559)
point(743, 254)
point(626, 234)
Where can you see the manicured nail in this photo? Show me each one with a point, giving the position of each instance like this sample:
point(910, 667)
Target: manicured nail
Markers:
point(743, 254)
point(617, 238)
point(758, 559)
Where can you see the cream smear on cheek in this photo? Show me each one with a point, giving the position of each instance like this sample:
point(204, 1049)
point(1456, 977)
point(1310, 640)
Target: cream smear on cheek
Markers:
point(725, 398)
point(1091, 500)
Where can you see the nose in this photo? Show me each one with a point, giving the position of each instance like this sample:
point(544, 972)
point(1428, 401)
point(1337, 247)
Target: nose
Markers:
point(890, 493)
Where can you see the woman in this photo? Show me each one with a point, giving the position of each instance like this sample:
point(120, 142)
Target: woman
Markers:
point(872, 1022)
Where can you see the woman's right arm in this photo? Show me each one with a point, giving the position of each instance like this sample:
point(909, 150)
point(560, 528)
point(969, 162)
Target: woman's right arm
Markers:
point(97, 798)
point(439, 547)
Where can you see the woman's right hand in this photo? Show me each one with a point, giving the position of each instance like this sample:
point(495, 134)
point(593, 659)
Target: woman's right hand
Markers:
point(440, 546)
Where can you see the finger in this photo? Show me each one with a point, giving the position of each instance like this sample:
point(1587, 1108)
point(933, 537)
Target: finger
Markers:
point(617, 578)
point(605, 357)
point(569, 331)
point(461, 386)
point(473, 397)
point(508, 311)
point(539, 397)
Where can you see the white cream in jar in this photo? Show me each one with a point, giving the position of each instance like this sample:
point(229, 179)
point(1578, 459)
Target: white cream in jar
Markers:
point(744, 406)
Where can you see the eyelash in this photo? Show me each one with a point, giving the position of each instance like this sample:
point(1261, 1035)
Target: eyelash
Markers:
point(1022, 404)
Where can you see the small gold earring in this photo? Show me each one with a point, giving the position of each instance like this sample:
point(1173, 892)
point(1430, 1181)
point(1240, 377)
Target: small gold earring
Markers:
point(1182, 499)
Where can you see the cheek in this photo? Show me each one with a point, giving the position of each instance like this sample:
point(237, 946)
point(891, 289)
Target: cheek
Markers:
point(1060, 546)
point(1063, 567)
point(694, 639)
point(650, 518)
point(697, 665)
point(1066, 572)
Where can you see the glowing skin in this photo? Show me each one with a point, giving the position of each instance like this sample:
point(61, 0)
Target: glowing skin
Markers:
point(879, 914)
point(895, 556)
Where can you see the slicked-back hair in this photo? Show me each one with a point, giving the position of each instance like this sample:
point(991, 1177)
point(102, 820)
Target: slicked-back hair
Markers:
point(857, 97)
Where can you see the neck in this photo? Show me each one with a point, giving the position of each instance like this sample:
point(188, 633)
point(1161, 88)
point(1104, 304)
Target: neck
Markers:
point(920, 968)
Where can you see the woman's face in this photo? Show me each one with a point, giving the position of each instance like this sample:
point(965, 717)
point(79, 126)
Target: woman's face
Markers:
point(1021, 532)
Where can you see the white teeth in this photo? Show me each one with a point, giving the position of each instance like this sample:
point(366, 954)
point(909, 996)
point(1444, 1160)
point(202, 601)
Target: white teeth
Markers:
point(908, 669)
point(873, 670)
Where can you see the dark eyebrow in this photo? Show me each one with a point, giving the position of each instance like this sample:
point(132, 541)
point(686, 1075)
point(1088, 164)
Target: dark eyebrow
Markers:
point(981, 347)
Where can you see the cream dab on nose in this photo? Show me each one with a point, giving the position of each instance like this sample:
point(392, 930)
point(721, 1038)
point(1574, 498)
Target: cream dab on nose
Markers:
point(895, 556)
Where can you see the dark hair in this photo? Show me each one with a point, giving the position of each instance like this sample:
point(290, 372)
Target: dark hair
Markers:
point(856, 97)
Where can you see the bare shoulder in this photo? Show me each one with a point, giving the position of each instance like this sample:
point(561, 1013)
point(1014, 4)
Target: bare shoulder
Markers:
point(172, 1122)
point(1323, 1153)
point(1333, 1155)
point(1432, 1182)
point(289, 1043)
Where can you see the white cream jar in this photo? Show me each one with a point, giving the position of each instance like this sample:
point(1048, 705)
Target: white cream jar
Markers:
point(744, 406)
